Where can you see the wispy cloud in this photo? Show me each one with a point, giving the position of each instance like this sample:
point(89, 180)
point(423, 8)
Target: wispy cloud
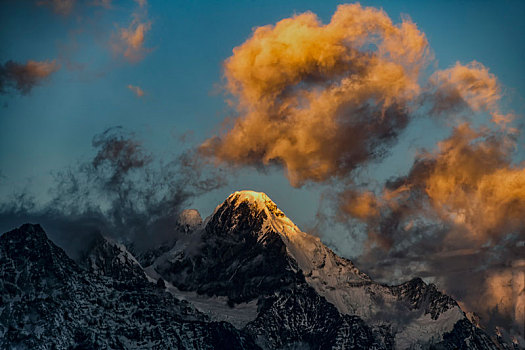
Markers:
point(67, 7)
point(61, 7)
point(129, 42)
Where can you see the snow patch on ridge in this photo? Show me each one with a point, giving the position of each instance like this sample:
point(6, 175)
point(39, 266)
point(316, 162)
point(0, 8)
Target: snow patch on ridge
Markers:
point(425, 329)
point(216, 308)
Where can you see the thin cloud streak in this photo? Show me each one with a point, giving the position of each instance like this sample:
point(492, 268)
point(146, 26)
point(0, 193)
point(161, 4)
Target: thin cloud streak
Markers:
point(60, 7)
point(136, 90)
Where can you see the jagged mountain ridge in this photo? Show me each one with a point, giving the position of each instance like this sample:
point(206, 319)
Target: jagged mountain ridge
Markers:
point(247, 253)
point(249, 250)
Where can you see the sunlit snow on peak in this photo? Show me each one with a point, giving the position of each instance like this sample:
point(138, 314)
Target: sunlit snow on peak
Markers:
point(250, 196)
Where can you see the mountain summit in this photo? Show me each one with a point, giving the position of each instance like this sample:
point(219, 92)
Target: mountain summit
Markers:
point(245, 278)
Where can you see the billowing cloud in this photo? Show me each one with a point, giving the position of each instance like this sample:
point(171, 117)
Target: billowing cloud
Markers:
point(321, 99)
point(129, 41)
point(23, 77)
point(470, 182)
point(136, 90)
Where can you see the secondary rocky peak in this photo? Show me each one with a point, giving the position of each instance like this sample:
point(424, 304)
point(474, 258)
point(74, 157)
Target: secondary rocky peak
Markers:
point(47, 301)
point(29, 241)
point(189, 220)
point(29, 261)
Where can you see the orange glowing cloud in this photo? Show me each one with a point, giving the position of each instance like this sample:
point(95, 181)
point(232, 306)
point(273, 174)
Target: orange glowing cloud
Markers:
point(23, 77)
point(321, 99)
point(361, 205)
point(131, 41)
point(469, 182)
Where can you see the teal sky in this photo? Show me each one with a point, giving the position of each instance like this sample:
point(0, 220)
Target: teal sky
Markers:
point(52, 127)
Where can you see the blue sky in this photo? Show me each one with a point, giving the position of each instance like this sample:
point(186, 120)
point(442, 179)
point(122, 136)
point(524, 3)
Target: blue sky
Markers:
point(52, 127)
point(178, 64)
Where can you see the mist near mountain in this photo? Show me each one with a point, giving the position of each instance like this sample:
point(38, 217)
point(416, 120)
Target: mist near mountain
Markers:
point(123, 191)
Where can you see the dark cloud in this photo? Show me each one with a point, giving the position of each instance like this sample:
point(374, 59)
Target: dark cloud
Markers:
point(20, 77)
point(118, 154)
point(123, 192)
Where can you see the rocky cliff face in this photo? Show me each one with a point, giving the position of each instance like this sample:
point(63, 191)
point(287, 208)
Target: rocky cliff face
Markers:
point(248, 264)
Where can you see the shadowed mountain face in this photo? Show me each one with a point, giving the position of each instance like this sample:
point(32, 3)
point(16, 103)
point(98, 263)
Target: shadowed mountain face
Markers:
point(248, 264)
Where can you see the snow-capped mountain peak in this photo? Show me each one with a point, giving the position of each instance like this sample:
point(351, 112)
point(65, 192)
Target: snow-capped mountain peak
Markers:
point(275, 219)
point(258, 198)
point(322, 268)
